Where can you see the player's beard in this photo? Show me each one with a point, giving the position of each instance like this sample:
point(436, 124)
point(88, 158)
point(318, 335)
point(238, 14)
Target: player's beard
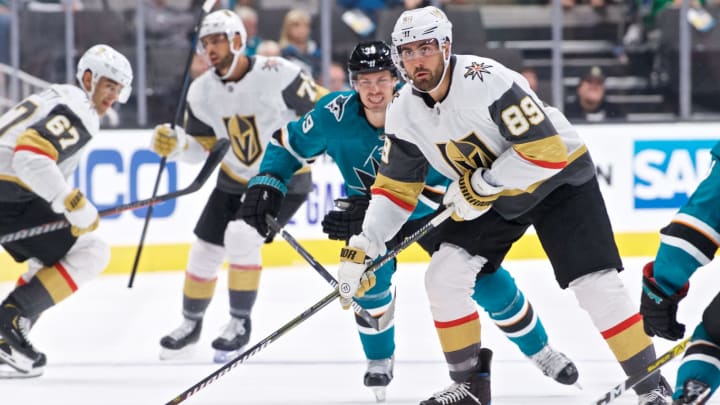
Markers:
point(224, 64)
point(430, 80)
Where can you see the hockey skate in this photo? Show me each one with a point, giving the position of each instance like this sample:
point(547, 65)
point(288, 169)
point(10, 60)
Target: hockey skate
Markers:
point(15, 349)
point(378, 376)
point(9, 372)
point(695, 392)
point(659, 396)
point(232, 340)
point(555, 365)
point(474, 391)
point(181, 341)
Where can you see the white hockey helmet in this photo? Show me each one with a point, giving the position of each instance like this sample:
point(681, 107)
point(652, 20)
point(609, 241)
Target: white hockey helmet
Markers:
point(104, 61)
point(417, 25)
point(223, 22)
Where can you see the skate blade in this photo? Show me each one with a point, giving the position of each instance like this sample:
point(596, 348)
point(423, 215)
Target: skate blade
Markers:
point(17, 360)
point(380, 394)
point(179, 354)
point(9, 372)
point(222, 356)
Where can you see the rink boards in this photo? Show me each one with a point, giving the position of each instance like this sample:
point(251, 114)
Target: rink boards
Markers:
point(646, 171)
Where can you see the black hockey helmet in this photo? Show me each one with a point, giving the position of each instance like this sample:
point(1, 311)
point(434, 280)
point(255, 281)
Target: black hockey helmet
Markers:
point(368, 57)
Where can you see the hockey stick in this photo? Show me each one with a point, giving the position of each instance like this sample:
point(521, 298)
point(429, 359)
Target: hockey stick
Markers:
point(651, 369)
point(365, 315)
point(212, 161)
point(308, 312)
point(206, 7)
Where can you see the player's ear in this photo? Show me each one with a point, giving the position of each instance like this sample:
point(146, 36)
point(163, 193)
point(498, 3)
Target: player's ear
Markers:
point(446, 48)
point(236, 42)
point(87, 80)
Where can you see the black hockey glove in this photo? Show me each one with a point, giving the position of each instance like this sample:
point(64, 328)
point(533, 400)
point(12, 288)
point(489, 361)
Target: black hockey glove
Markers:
point(264, 195)
point(659, 310)
point(348, 220)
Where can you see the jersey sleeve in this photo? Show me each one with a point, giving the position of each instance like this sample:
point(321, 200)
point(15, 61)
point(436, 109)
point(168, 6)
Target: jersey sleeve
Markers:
point(398, 184)
point(201, 132)
point(300, 141)
point(537, 150)
point(58, 136)
point(44, 145)
point(302, 93)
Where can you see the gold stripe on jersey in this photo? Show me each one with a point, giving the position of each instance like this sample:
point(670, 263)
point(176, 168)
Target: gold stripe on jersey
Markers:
point(402, 193)
point(16, 180)
point(320, 92)
point(571, 158)
point(55, 283)
point(244, 278)
point(550, 152)
point(459, 336)
point(229, 171)
point(197, 288)
point(31, 139)
point(207, 141)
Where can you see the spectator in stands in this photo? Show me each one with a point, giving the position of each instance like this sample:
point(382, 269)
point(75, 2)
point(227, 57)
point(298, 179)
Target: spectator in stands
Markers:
point(338, 78)
point(268, 47)
point(249, 17)
point(590, 103)
point(168, 25)
point(296, 44)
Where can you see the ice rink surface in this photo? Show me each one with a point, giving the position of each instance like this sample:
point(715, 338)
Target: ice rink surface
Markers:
point(102, 344)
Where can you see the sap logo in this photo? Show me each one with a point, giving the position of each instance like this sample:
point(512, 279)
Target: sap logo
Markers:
point(108, 181)
point(667, 172)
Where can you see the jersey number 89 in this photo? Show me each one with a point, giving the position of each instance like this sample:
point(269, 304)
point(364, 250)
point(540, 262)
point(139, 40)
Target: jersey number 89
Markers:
point(519, 117)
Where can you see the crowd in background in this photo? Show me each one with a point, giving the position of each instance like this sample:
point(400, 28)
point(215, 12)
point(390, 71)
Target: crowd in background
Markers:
point(291, 29)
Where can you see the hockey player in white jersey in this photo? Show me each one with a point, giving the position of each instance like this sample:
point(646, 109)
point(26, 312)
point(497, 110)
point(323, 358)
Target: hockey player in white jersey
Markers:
point(515, 162)
point(243, 99)
point(41, 142)
point(348, 127)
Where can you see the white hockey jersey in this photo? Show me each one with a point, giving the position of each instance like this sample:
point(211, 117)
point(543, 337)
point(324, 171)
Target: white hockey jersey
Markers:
point(489, 118)
point(272, 92)
point(42, 140)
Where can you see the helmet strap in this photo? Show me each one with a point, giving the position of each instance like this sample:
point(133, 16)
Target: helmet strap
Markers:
point(236, 56)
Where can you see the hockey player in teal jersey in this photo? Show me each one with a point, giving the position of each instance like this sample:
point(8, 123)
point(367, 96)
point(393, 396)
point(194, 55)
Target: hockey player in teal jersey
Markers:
point(349, 127)
point(687, 243)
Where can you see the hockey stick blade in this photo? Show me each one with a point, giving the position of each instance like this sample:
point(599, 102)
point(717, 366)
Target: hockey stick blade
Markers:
point(211, 163)
point(651, 369)
point(359, 311)
point(308, 312)
point(255, 349)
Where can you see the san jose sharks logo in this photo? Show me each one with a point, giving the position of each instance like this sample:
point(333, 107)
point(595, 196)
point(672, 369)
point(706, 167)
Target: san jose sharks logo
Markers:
point(337, 106)
point(367, 177)
point(476, 70)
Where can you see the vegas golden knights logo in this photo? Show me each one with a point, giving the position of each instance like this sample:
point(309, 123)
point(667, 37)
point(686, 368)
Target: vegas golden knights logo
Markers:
point(468, 153)
point(244, 138)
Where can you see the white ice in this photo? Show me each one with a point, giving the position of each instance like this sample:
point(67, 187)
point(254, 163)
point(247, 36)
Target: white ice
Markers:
point(102, 345)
